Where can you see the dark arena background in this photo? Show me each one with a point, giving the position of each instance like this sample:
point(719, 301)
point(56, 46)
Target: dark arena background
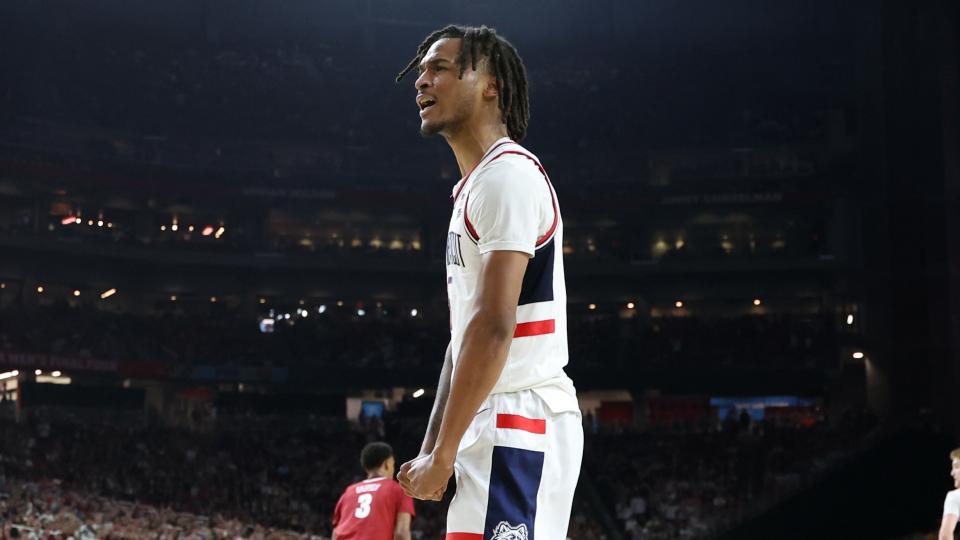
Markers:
point(222, 242)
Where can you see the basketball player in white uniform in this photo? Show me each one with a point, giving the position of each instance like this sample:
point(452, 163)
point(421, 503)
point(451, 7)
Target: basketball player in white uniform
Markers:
point(951, 505)
point(506, 420)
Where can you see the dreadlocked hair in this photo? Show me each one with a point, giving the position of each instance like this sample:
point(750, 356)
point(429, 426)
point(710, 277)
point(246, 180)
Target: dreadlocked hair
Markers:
point(504, 63)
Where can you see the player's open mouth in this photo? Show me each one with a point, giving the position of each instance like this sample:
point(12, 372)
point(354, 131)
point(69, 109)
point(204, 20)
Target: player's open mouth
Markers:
point(425, 102)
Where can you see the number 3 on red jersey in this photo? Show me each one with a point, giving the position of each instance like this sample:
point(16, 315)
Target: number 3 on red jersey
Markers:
point(363, 505)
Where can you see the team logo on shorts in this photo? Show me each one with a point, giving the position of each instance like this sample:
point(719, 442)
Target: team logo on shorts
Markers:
point(505, 531)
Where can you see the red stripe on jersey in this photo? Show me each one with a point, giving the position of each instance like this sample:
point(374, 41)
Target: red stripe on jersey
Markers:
point(515, 421)
point(464, 183)
point(535, 328)
point(464, 536)
point(466, 221)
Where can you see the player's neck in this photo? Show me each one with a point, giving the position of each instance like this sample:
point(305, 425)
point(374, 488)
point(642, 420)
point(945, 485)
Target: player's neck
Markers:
point(375, 474)
point(470, 145)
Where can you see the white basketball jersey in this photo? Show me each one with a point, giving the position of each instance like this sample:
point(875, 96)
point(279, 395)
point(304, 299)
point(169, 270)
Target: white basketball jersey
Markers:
point(508, 204)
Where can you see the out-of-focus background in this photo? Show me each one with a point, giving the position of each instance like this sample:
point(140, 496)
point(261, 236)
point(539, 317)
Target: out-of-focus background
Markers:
point(221, 260)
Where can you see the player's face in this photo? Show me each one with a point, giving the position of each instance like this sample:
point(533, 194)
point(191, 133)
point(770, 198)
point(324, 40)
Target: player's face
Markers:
point(955, 472)
point(445, 100)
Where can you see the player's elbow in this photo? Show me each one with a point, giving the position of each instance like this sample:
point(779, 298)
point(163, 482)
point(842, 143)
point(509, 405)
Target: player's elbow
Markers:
point(502, 330)
point(402, 530)
point(947, 525)
point(495, 326)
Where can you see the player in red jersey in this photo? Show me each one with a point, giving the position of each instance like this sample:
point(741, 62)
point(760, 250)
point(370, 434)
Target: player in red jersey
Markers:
point(377, 508)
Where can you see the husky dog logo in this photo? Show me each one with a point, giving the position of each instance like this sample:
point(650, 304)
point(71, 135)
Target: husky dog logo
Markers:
point(505, 531)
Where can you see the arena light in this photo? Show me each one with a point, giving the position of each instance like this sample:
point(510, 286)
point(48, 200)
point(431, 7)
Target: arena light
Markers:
point(107, 293)
point(76, 292)
point(109, 224)
point(69, 220)
point(207, 231)
point(190, 228)
point(263, 300)
point(267, 325)
point(678, 304)
point(850, 319)
point(322, 308)
point(8, 375)
point(90, 222)
point(99, 223)
point(361, 312)
point(414, 312)
point(173, 298)
point(47, 379)
point(163, 227)
point(592, 307)
point(858, 355)
point(757, 302)
point(56, 373)
point(419, 393)
point(302, 302)
point(631, 305)
point(339, 303)
point(219, 232)
point(37, 372)
point(39, 289)
point(174, 227)
point(213, 299)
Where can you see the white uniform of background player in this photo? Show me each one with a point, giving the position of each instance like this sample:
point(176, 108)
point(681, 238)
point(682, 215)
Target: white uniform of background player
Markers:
point(951, 504)
point(518, 463)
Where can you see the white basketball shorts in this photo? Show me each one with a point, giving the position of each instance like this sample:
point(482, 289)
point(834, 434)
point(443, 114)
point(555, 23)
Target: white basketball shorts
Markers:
point(516, 470)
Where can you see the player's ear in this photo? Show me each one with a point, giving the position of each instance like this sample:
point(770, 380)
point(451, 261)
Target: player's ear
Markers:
point(491, 87)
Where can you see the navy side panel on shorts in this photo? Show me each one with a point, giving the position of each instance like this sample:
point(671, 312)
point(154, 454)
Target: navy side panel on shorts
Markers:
point(512, 502)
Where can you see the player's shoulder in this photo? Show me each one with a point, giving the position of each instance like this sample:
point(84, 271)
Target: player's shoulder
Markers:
point(513, 155)
point(511, 167)
point(350, 488)
point(515, 150)
point(363, 485)
point(392, 485)
point(953, 495)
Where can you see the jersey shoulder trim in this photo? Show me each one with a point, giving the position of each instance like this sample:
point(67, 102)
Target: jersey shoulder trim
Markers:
point(553, 198)
point(463, 182)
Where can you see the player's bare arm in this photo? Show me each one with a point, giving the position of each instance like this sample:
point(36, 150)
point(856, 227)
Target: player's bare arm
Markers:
point(947, 525)
point(443, 391)
point(436, 415)
point(486, 342)
point(402, 529)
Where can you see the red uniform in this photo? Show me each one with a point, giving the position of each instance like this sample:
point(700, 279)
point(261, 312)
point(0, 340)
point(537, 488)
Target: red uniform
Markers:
point(368, 510)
